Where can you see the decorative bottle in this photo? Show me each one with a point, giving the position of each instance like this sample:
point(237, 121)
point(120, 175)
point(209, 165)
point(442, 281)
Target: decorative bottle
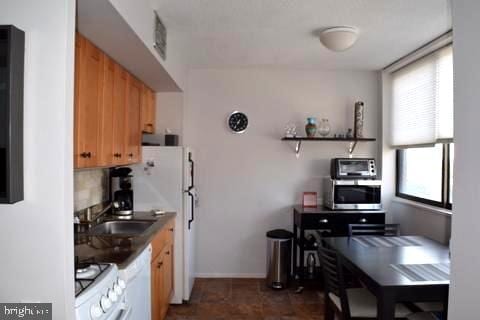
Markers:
point(311, 262)
point(358, 123)
point(311, 127)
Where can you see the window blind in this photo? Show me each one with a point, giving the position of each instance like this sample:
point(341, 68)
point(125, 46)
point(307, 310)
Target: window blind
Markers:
point(422, 101)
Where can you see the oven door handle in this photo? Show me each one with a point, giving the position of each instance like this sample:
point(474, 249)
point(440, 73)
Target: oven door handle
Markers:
point(357, 182)
point(124, 313)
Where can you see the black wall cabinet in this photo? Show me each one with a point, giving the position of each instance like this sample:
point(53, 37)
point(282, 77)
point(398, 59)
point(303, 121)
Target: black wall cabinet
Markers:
point(12, 53)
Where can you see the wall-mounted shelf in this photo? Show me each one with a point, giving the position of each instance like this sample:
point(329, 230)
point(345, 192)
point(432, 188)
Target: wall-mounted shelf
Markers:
point(353, 142)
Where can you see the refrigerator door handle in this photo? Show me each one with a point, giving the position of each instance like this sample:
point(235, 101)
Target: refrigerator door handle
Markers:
point(192, 199)
point(192, 170)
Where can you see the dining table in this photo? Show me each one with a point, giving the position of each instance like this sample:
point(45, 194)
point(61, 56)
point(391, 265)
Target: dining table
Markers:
point(406, 269)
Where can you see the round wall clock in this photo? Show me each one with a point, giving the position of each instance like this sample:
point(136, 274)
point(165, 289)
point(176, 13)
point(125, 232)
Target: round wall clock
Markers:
point(238, 122)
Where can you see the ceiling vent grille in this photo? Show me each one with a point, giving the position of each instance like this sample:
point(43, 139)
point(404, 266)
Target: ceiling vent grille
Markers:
point(160, 37)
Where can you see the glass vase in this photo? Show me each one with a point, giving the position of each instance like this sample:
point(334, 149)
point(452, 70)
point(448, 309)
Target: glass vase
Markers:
point(324, 128)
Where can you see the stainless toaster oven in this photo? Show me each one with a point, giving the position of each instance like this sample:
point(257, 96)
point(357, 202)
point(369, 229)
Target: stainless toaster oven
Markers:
point(359, 194)
point(353, 168)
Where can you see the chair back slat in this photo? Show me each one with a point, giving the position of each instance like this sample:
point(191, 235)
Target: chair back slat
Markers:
point(333, 277)
point(387, 230)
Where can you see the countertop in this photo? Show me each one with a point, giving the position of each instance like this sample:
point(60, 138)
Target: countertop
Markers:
point(119, 249)
point(324, 210)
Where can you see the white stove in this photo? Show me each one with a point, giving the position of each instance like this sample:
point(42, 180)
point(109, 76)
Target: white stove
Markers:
point(99, 293)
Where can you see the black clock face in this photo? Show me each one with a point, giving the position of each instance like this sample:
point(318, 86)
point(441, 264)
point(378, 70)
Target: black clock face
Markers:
point(238, 122)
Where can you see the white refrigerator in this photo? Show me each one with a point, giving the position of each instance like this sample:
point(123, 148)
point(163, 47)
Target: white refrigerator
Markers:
point(165, 180)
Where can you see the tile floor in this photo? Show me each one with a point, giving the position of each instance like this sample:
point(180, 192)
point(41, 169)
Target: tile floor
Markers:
point(247, 299)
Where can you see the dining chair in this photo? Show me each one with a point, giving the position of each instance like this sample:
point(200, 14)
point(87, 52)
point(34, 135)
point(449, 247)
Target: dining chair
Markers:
point(387, 230)
point(349, 279)
point(351, 303)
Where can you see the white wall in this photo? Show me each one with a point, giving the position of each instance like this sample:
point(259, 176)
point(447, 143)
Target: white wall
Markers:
point(421, 220)
point(139, 14)
point(169, 115)
point(248, 183)
point(465, 283)
point(36, 235)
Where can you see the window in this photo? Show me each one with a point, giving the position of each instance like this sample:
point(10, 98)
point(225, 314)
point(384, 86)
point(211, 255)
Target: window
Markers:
point(422, 128)
point(424, 174)
point(422, 101)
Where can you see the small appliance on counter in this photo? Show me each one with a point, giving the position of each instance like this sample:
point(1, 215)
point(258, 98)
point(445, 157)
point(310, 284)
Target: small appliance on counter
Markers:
point(352, 185)
point(171, 140)
point(353, 168)
point(121, 191)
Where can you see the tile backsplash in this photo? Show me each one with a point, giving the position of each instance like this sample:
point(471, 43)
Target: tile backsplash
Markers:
point(91, 187)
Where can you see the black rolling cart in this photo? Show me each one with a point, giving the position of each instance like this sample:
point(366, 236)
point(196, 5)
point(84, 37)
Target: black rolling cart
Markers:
point(331, 223)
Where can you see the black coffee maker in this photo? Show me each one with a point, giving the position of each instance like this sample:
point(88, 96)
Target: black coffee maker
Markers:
point(121, 191)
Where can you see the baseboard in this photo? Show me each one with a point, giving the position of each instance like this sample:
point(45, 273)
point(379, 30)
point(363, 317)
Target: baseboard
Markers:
point(231, 275)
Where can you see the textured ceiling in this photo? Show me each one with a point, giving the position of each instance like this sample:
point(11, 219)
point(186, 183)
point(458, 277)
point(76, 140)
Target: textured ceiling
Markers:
point(244, 33)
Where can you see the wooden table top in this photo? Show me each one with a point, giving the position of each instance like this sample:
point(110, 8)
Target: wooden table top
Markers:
point(375, 263)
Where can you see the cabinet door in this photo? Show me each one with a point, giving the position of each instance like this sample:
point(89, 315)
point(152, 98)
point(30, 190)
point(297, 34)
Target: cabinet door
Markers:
point(133, 119)
point(152, 110)
point(148, 110)
point(157, 287)
point(106, 114)
point(89, 72)
point(167, 276)
point(120, 133)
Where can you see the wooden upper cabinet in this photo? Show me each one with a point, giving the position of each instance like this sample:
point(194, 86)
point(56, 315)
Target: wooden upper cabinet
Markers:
point(109, 105)
point(148, 110)
point(105, 138)
point(88, 94)
point(120, 115)
point(134, 136)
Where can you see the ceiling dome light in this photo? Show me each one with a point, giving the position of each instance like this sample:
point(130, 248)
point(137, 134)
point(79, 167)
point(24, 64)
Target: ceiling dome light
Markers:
point(339, 38)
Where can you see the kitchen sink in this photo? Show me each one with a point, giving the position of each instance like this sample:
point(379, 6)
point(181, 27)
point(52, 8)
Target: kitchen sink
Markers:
point(121, 227)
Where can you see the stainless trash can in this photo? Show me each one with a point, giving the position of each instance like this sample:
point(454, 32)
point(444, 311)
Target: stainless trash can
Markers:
point(279, 259)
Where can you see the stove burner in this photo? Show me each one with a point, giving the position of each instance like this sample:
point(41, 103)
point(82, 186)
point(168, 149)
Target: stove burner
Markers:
point(83, 265)
point(86, 272)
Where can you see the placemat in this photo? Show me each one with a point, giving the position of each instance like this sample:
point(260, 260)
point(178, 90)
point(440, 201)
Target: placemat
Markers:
point(424, 272)
point(379, 241)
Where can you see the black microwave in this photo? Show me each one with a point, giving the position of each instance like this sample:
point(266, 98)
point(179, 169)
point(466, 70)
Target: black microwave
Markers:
point(353, 168)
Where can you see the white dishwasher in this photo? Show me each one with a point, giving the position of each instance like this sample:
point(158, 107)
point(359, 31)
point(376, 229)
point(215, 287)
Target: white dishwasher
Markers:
point(137, 277)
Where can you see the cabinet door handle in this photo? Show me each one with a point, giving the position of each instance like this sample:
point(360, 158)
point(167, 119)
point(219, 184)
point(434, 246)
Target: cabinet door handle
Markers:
point(323, 220)
point(86, 154)
point(130, 155)
point(159, 265)
point(171, 229)
point(363, 220)
point(167, 253)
